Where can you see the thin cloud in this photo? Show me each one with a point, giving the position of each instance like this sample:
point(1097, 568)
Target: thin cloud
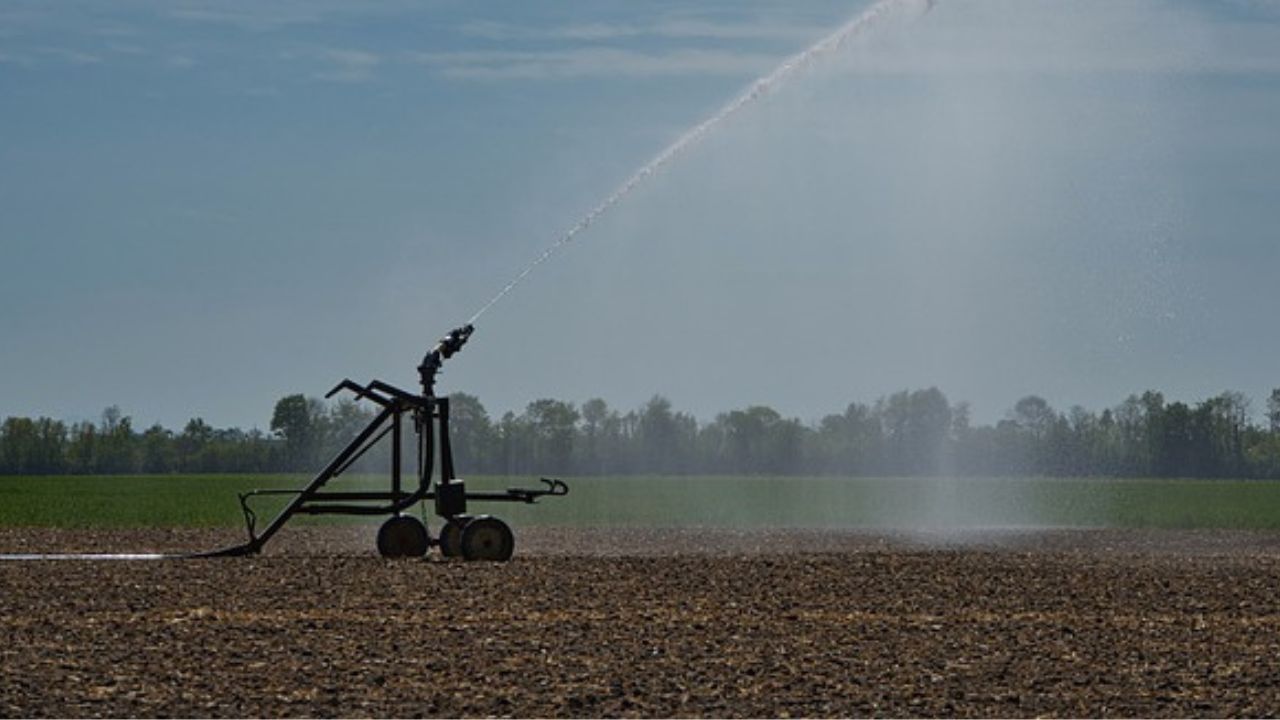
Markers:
point(116, 30)
point(591, 62)
point(504, 32)
point(671, 28)
point(257, 17)
point(1266, 7)
point(127, 49)
point(756, 30)
point(349, 66)
point(1026, 38)
point(71, 56)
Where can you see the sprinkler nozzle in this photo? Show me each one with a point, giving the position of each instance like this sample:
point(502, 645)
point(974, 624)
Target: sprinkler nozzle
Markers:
point(448, 345)
point(453, 342)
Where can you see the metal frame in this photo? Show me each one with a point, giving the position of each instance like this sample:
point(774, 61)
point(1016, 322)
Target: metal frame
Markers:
point(430, 414)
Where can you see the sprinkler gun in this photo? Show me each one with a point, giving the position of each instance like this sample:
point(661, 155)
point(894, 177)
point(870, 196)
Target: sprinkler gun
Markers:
point(448, 345)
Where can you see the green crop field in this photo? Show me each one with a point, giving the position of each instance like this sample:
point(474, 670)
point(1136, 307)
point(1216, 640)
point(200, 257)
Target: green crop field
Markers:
point(210, 500)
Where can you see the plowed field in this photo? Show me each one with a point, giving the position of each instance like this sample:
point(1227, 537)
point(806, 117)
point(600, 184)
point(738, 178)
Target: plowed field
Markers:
point(648, 622)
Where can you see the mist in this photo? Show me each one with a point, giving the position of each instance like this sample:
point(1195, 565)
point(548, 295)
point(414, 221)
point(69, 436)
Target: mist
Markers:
point(994, 200)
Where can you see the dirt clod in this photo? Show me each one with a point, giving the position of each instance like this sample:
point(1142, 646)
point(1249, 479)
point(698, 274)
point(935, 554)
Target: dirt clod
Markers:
point(648, 622)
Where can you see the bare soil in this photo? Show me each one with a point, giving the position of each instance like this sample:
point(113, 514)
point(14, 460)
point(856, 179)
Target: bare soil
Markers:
point(636, 622)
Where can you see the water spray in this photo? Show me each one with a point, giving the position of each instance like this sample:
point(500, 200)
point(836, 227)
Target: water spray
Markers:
point(868, 19)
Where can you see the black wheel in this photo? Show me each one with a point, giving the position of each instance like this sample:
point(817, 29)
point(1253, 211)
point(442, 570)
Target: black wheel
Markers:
point(403, 536)
point(451, 537)
point(487, 538)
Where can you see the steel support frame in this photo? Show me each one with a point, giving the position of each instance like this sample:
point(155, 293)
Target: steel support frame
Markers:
point(430, 415)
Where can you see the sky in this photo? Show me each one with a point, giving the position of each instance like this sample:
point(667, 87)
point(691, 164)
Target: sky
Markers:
point(205, 206)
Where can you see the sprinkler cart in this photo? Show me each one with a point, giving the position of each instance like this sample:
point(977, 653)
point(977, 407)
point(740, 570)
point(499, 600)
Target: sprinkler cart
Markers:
point(473, 537)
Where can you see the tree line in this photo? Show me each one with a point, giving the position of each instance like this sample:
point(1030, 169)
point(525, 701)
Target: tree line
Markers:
point(908, 433)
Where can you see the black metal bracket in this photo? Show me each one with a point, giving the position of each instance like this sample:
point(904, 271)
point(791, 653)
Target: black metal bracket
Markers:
point(555, 488)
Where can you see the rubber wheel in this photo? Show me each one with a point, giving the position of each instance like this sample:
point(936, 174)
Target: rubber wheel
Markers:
point(451, 537)
point(403, 536)
point(487, 538)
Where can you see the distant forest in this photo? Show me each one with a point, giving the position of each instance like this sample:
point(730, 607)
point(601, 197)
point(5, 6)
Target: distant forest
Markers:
point(909, 433)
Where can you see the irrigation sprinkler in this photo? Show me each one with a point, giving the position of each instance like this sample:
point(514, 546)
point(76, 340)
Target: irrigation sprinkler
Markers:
point(472, 537)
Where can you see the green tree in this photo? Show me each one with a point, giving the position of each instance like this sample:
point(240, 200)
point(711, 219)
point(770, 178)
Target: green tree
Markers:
point(553, 426)
point(917, 426)
point(1138, 423)
point(758, 440)
point(295, 420)
point(17, 446)
point(32, 447)
point(1175, 452)
point(1083, 446)
point(1034, 416)
point(117, 451)
point(344, 421)
point(1227, 422)
point(591, 445)
point(190, 445)
point(1043, 435)
point(849, 443)
point(159, 454)
point(82, 450)
point(744, 433)
point(516, 441)
point(472, 434)
point(666, 438)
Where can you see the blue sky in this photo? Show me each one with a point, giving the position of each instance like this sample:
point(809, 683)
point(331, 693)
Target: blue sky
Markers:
point(207, 205)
